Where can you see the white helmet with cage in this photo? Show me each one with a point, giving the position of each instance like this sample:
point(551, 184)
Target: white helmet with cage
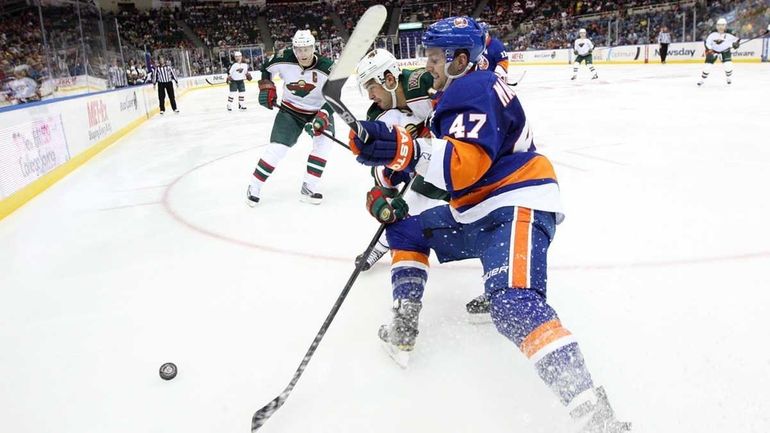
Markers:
point(374, 66)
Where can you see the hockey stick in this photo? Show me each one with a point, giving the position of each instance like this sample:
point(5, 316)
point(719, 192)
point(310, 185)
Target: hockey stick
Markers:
point(328, 135)
point(358, 44)
point(516, 83)
point(262, 415)
point(213, 84)
point(755, 37)
point(363, 35)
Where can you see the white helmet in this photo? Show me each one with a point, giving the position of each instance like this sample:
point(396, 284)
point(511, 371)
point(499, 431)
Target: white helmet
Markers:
point(303, 38)
point(582, 31)
point(237, 54)
point(721, 24)
point(374, 65)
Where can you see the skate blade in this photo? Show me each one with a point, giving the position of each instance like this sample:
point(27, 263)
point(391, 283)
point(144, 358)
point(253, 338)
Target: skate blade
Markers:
point(251, 203)
point(311, 200)
point(479, 319)
point(401, 357)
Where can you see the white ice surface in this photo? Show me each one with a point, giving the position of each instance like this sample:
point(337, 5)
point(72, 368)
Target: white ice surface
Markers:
point(148, 254)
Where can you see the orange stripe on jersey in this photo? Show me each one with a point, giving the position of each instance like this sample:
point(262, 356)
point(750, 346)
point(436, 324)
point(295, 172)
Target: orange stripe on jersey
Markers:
point(521, 248)
point(409, 256)
point(542, 336)
point(503, 63)
point(468, 163)
point(537, 168)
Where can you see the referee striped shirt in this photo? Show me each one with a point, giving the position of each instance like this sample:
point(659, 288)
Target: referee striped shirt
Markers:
point(164, 74)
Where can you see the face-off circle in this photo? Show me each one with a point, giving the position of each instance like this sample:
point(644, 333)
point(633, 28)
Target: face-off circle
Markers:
point(168, 371)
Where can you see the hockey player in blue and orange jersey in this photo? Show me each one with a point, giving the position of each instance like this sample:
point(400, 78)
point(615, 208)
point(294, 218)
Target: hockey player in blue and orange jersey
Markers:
point(504, 207)
point(494, 58)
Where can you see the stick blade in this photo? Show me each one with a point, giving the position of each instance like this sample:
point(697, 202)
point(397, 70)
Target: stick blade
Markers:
point(262, 415)
point(360, 40)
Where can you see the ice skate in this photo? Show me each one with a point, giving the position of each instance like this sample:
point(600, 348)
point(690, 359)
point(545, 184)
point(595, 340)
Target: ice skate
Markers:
point(229, 108)
point(574, 77)
point(251, 198)
point(700, 83)
point(376, 254)
point(308, 196)
point(242, 108)
point(594, 415)
point(729, 81)
point(595, 77)
point(478, 310)
point(399, 336)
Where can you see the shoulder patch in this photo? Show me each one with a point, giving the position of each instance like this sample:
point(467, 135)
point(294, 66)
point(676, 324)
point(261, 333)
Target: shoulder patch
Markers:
point(414, 79)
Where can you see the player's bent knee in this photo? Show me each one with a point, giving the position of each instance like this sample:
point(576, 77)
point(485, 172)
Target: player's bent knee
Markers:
point(518, 312)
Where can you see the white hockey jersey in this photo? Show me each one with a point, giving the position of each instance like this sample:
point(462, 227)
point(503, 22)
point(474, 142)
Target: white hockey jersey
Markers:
point(238, 71)
point(720, 42)
point(301, 86)
point(583, 46)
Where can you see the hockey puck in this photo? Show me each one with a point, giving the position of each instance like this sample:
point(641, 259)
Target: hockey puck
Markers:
point(168, 371)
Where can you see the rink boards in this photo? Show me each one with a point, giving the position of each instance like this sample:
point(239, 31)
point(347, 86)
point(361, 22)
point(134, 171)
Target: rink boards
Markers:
point(686, 52)
point(42, 142)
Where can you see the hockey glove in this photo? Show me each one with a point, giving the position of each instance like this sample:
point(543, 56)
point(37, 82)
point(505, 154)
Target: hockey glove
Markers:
point(248, 76)
point(267, 94)
point(385, 205)
point(575, 51)
point(229, 78)
point(391, 146)
point(737, 44)
point(319, 124)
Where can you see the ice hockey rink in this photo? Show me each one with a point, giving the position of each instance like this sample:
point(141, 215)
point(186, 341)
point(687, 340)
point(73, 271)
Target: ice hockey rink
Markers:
point(148, 254)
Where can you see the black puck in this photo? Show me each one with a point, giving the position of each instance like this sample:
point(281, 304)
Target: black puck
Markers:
point(168, 371)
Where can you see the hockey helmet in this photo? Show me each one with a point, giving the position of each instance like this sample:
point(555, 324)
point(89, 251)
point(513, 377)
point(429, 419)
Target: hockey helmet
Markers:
point(374, 65)
point(455, 33)
point(582, 32)
point(303, 38)
point(721, 24)
point(237, 54)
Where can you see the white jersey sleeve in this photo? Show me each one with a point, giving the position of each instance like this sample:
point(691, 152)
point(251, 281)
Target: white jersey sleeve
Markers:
point(720, 42)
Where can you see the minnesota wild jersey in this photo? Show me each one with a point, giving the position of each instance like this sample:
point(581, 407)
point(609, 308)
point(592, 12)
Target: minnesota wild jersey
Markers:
point(301, 86)
point(416, 85)
point(720, 42)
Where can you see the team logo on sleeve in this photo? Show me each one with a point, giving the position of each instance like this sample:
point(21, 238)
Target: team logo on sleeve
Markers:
point(483, 63)
point(300, 88)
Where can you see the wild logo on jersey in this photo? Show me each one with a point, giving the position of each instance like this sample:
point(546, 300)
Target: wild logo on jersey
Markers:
point(300, 88)
point(581, 44)
point(239, 70)
point(718, 41)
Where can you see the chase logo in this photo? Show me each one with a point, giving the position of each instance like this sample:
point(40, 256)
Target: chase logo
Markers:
point(461, 22)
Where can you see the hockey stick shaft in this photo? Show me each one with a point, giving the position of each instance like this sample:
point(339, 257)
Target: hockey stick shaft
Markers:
point(755, 37)
point(262, 415)
point(328, 135)
point(516, 83)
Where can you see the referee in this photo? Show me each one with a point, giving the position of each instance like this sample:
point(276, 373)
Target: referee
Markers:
point(664, 38)
point(163, 76)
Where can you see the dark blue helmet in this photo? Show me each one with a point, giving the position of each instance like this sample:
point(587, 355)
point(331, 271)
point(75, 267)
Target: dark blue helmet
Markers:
point(454, 33)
